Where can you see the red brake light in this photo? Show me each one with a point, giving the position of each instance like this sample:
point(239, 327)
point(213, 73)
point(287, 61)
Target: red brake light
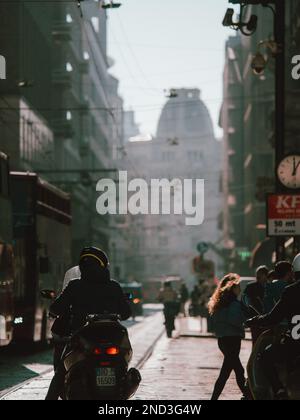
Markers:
point(112, 351)
point(105, 364)
point(97, 351)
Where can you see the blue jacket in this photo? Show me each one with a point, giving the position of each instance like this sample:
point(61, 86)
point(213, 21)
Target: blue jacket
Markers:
point(273, 294)
point(229, 321)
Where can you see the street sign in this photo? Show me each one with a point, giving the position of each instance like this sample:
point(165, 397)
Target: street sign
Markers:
point(202, 247)
point(283, 215)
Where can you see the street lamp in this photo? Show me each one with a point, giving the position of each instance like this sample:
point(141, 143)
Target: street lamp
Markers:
point(260, 61)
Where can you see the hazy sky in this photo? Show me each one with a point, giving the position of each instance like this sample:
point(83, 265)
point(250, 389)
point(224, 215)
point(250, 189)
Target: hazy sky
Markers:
point(159, 44)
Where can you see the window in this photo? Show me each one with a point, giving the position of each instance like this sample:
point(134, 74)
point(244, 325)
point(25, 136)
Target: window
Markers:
point(195, 156)
point(168, 156)
point(163, 241)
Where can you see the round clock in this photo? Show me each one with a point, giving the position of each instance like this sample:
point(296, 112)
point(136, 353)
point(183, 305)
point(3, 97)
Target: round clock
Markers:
point(289, 172)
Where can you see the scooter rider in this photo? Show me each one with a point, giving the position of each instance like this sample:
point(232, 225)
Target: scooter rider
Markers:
point(94, 293)
point(288, 349)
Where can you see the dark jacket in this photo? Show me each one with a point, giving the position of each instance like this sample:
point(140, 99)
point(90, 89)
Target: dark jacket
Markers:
point(273, 294)
point(286, 308)
point(82, 297)
point(229, 321)
point(255, 293)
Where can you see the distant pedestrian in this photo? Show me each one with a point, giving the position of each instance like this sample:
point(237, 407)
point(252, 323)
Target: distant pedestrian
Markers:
point(228, 319)
point(169, 297)
point(271, 276)
point(184, 297)
point(206, 288)
point(254, 299)
point(195, 305)
point(273, 291)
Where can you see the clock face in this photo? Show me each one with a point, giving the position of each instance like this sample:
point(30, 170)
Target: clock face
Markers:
point(289, 172)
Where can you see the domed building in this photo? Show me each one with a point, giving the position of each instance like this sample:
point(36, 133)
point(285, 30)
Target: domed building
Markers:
point(185, 147)
point(185, 116)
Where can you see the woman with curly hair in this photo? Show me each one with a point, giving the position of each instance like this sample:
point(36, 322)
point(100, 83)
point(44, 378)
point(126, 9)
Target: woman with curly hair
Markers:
point(228, 319)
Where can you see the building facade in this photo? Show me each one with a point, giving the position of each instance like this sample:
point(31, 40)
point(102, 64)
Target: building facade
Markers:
point(61, 114)
point(184, 148)
point(248, 120)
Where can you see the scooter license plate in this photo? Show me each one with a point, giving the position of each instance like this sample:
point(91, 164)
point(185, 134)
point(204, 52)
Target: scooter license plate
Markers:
point(105, 377)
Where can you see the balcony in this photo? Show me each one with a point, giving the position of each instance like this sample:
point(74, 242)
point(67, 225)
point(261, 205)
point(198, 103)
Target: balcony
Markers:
point(62, 129)
point(84, 66)
point(62, 32)
point(62, 78)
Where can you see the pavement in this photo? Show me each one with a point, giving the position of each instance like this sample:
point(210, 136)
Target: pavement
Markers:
point(144, 334)
point(182, 368)
point(186, 368)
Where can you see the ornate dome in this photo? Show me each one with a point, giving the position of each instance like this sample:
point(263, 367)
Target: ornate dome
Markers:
point(185, 116)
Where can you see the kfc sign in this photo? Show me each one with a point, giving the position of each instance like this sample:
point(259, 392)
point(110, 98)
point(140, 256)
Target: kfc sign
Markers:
point(2, 68)
point(283, 215)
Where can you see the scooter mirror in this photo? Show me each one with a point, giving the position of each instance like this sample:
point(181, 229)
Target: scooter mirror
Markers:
point(48, 294)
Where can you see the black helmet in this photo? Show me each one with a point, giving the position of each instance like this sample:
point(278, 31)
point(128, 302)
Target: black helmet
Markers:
point(96, 254)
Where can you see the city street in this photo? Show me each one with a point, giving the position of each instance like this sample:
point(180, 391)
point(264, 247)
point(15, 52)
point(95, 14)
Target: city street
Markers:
point(182, 368)
point(28, 377)
point(149, 168)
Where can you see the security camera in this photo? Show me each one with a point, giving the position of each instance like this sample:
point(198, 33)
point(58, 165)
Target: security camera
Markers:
point(259, 64)
point(228, 19)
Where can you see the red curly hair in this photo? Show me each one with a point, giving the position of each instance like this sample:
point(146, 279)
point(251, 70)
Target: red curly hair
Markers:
point(224, 295)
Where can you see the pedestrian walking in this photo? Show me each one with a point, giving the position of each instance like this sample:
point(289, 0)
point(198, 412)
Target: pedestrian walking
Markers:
point(274, 290)
point(184, 297)
point(228, 319)
point(254, 299)
point(195, 297)
point(169, 297)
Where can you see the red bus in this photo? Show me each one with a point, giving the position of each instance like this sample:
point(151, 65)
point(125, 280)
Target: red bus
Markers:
point(6, 255)
point(42, 246)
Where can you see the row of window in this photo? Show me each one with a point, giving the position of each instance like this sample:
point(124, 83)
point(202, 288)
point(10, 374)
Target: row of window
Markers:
point(193, 156)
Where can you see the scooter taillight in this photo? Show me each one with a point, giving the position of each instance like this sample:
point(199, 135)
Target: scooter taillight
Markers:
point(112, 351)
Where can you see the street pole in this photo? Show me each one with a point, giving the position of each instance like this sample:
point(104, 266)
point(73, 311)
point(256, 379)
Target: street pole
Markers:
point(279, 34)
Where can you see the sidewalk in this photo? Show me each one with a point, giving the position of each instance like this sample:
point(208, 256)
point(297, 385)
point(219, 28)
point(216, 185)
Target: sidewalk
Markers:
point(186, 368)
